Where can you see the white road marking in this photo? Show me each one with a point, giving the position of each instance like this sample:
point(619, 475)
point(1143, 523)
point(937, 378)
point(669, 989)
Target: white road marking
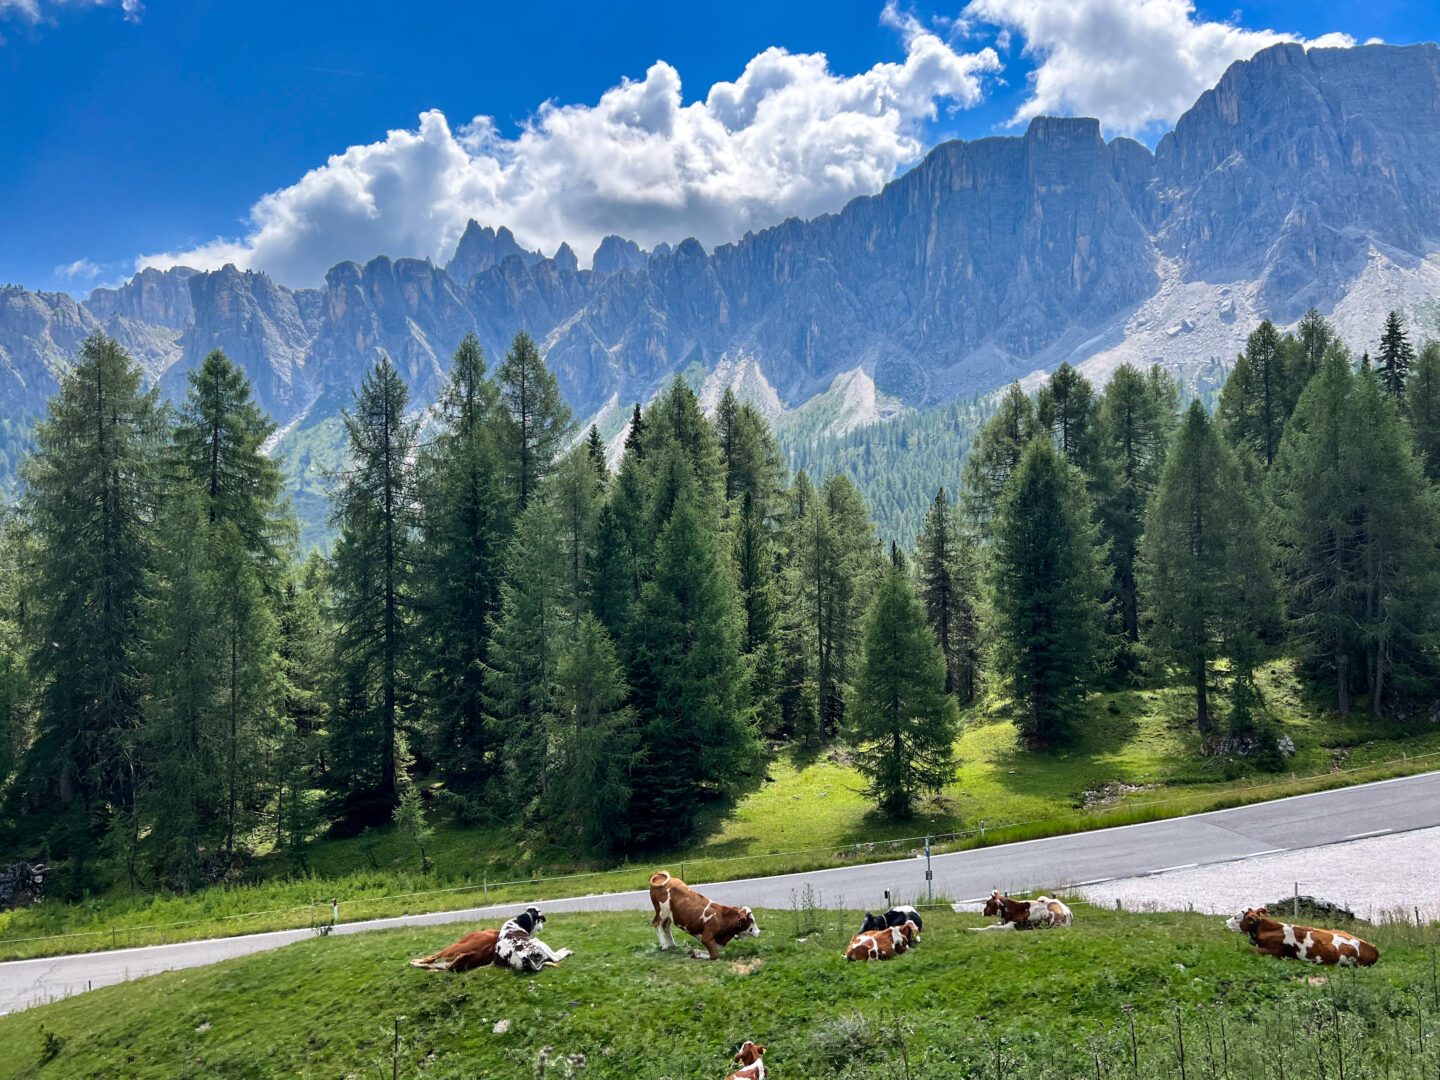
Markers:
point(1167, 869)
point(1372, 832)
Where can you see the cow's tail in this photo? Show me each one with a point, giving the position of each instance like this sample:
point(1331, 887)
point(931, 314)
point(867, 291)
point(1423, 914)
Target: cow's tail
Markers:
point(659, 879)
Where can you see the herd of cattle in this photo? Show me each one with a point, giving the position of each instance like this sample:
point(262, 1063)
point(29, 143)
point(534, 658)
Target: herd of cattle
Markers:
point(881, 937)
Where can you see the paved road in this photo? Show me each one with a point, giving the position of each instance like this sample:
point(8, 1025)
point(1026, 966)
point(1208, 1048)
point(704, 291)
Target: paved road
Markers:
point(1085, 858)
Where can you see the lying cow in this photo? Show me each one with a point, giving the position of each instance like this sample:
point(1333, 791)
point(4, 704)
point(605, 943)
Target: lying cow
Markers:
point(518, 947)
point(881, 944)
point(1041, 913)
point(713, 925)
point(476, 949)
point(896, 916)
point(751, 1067)
point(1273, 938)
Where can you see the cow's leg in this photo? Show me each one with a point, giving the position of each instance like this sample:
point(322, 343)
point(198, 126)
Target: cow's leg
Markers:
point(660, 928)
point(994, 926)
point(551, 956)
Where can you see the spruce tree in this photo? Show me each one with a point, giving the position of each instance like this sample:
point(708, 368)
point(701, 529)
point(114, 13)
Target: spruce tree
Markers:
point(844, 559)
point(904, 721)
point(374, 597)
point(995, 456)
point(947, 567)
point(91, 506)
point(797, 622)
point(1204, 567)
point(1136, 419)
point(1045, 579)
point(1396, 357)
point(538, 418)
point(1315, 336)
point(688, 680)
point(1422, 406)
point(15, 695)
point(576, 488)
point(304, 651)
point(466, 516)
point(594, 741)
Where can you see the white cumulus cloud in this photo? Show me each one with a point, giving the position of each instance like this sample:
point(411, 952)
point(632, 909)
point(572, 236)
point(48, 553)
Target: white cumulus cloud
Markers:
point(79, 270)
point(787, 137)
point(1134, 64)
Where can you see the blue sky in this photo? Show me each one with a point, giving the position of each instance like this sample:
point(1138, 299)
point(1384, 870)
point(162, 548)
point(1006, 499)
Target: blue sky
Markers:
point(155, 131)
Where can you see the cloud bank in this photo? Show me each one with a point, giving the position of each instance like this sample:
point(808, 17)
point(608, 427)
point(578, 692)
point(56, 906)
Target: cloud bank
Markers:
point(1135, 64)
point(788, 137)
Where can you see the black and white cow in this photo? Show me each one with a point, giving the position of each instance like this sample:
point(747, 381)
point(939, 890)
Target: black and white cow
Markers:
point(896, 916)
point(519, 948)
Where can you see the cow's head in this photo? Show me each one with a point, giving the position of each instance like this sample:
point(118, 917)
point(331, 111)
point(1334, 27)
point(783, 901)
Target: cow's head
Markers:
point(748, 924)
point(1247, 921)
point(749, 1053)
point(530, 920)
point(995, 905)
point(909, 931)
point(873, 922)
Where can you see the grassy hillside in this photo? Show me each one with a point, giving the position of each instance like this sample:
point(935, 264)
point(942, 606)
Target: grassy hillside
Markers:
point(1040, 1004)
point(1136, 758)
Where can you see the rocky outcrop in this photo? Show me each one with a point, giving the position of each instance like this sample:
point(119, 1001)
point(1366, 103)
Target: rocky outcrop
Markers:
point(1303, 177)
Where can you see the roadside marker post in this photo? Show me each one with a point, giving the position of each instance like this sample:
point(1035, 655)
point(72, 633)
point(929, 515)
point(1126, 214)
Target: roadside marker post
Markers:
point(929, 876)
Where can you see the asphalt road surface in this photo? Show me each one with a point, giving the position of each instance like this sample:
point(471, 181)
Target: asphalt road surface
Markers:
point(1327, 817)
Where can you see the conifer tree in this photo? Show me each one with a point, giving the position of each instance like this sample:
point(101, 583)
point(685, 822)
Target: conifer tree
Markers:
point(1354, 523)
point(466, 517)
point(635, 435)
point(1136, 420)
point(539, 419)
point(1315, 336)
point(304, 651)
point(1065, 407)
point(528, 637)
point(217, 447)
point(374, 597)
point(91, 499)
point(1045, 580)
point(844, 560)
point(14, 681)
point(995, 456)
point(688, 679)
point(904, 721)
point(1205, 573)
point(576, 488)
point(186, 743)
point(947, 566)
point(595, 447)
point(1422, 406)
point(1396, 357)
point(1259, 395)
point(594, 741)
point(797, 629)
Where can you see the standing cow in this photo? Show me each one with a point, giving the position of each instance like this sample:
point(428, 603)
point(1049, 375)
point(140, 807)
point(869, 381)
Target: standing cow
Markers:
point(713, 925)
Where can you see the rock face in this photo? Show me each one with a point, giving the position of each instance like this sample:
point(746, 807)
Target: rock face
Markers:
point(1303, 177)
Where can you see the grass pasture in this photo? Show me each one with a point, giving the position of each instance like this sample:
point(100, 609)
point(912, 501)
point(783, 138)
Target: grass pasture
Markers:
point(1135, 758)
point(1039, 1004)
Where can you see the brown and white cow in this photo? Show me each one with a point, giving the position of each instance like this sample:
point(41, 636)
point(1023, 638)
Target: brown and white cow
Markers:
point(1043, 912)
point(713, 925)
point(476, 949)
point(881, 944)
point(1272, 938)
point(751, 1067)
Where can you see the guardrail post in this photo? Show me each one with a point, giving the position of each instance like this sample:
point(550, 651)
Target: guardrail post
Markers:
point(1297, 900)
point(485, 884)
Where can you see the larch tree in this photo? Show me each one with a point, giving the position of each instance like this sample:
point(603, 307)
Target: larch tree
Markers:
point(1259, 394)
point(904, 721)
point(995, 456)
point(1422, 406)
point(374, 586)
point(1065, 406)
point(538, 418)
point(1204, 566)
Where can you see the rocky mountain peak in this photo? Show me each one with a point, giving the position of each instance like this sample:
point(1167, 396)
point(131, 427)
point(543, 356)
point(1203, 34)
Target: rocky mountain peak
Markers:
point(482, 247)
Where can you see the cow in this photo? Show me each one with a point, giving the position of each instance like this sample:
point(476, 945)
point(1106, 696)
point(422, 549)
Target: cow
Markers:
point(881, 944)
point(476, 949)
point(519, 949)
point(713, 925)
point(751, 1067)
point(1043, 913)
point(1271, 938)
point(896, 916)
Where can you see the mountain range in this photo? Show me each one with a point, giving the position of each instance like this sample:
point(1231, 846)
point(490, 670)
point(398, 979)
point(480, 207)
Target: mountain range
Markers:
point(1303, 178)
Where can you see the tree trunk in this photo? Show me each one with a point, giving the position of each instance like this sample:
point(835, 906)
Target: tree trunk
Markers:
point(1202, 699)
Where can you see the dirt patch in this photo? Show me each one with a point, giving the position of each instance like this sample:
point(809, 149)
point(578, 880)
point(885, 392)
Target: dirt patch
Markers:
point(1107, 795)
point(747, 965)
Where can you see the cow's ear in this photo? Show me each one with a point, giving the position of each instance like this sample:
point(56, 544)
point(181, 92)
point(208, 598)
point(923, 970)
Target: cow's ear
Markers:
point(1262, 911)
point(759, 1049)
